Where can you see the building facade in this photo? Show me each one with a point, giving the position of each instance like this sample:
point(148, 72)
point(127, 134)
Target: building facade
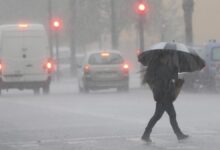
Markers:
point(206, 21)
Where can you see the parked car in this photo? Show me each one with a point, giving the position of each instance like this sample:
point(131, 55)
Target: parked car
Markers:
point(210, 73)
point(25, 58)
point(103, 70)
point(208, 77)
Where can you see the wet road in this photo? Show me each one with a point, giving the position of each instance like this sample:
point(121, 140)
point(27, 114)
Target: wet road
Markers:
point(106, 120)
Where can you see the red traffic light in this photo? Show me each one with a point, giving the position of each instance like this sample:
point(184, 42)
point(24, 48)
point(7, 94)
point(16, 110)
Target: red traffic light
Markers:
point(142, 8)
point(56, 24)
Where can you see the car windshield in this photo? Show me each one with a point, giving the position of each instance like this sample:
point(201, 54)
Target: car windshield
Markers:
point(99, 59)
point(216, 54)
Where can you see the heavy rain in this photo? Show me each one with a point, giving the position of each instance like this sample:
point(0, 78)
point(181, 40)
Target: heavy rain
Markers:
point(99, 75)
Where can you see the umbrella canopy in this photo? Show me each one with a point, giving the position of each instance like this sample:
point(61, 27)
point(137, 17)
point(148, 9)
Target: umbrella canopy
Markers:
point(185, 61)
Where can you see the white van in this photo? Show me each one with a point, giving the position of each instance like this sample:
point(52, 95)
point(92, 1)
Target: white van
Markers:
point(25, 58)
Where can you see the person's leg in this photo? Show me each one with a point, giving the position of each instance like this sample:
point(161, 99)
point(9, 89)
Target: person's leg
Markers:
point(157, 115)
point(172, 115)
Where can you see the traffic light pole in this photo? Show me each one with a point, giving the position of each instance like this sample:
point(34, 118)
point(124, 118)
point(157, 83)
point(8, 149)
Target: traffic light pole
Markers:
point(141, 33)
point(141, 40)
point(57, 55)
point(142, 9)
point(56, 25)
point(49, 28)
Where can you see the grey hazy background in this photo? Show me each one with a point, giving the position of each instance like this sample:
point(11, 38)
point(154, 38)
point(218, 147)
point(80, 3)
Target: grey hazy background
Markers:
point(87, 23)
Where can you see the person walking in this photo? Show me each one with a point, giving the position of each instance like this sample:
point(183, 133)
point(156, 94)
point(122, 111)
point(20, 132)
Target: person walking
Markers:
point(162, 78)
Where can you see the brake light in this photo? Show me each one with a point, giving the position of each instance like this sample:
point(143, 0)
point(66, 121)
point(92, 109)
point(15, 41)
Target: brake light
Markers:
point(50, 66)
point(1, 67)
point(125, 68)
point(86, 69)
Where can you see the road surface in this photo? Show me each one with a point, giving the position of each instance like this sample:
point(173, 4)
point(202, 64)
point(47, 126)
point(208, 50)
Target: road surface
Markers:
point(104, 120)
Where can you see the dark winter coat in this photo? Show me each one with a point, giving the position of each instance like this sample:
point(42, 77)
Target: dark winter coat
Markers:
point(162, 80)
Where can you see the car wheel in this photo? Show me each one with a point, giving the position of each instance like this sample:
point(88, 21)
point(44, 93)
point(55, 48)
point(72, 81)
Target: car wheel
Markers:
point(126, 88)
point(80, 89)
point(46, 89)
point(86, 90)
point(36, 91)
point(123, 89)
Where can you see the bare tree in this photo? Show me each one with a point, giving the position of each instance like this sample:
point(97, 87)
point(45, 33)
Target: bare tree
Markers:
point(188, 7)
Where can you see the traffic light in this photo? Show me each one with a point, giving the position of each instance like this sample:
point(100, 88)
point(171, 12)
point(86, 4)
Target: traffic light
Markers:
point(56, 24)
point(142, 7)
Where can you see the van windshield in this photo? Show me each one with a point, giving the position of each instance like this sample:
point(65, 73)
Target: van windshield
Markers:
point(98, 59)
point(216, 54)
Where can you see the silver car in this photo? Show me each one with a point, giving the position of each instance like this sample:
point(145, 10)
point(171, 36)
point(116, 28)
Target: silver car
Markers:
point(103, 70)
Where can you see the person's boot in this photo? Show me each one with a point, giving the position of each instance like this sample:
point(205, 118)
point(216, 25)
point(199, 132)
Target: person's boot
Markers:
point(182, 137)
point(146, 137)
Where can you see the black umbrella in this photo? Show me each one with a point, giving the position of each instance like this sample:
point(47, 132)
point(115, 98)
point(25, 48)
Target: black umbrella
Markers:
point(186, 61)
